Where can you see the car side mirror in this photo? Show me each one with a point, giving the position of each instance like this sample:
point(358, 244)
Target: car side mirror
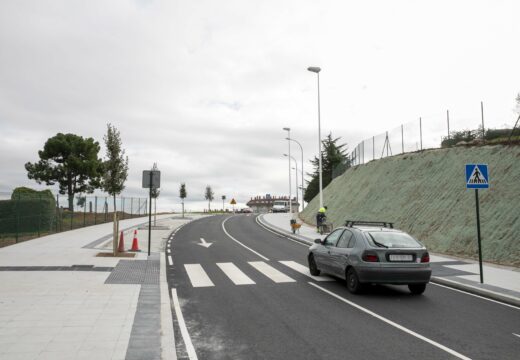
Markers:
point(317, 241)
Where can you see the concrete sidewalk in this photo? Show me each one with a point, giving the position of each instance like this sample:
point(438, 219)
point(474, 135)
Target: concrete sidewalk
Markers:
point(501, 283)
point(58, 300)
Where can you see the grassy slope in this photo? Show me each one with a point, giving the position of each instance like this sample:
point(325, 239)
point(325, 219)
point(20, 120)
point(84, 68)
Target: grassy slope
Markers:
point(424, 194)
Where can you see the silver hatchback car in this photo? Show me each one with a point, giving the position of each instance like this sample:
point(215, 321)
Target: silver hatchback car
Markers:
point(365, 252)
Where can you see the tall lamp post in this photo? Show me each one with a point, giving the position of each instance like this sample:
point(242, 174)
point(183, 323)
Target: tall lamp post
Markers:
point(290, 190)
point(301, 148)
point(317, 70)
point(295, 176)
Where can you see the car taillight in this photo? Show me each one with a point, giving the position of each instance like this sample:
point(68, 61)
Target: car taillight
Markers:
point(425, 258)
point(370, 257)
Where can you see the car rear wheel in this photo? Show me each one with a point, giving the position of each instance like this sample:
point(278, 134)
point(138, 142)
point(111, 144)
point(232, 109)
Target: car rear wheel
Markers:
point(312, 266)
point(417, 289)
point(353, 284)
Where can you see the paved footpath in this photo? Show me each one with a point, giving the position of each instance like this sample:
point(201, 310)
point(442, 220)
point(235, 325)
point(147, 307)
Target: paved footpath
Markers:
point(58, 300)
point(501, 283)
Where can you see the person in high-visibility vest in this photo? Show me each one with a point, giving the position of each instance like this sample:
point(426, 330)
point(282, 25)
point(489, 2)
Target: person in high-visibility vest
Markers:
point(321, 217)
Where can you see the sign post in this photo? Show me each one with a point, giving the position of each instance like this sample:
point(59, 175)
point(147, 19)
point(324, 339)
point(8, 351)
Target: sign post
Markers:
point(151, 179)
point(233, 202)
point(477, 177)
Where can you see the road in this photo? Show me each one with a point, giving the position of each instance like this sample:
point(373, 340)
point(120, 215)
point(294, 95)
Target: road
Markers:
point(240, 295)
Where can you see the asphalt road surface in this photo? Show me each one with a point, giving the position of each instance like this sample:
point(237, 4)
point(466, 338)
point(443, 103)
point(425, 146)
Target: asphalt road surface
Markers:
point(243, 292)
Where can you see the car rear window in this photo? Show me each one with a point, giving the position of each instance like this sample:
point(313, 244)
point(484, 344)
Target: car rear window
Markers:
point(393, 240)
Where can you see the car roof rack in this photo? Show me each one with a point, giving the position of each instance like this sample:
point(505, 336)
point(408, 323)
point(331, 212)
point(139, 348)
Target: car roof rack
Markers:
point(386, 224)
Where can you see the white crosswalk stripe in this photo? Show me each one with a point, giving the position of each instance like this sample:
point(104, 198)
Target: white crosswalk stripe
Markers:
point(271, 272)
point(198, 276)
point(235, 274)
point(305, 270)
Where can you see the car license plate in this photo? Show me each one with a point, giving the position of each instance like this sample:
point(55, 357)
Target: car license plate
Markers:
point(400, 257)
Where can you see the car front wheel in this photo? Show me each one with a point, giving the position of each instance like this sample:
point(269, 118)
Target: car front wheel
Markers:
point(312, 266)
point(353, 284)
point(417, 289)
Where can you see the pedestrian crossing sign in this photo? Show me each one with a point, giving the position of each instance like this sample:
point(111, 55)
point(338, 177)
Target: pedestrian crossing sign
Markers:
point(477, 176)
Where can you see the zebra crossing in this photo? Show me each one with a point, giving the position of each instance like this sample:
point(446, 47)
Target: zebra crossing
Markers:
point(199, 277)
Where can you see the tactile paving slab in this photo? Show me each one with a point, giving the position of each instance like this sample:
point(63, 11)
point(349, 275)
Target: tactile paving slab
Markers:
point(135, 272)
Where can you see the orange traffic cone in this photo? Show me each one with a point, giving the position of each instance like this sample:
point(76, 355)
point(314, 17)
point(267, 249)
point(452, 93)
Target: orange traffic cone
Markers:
point(135, 243)
point(121, 247)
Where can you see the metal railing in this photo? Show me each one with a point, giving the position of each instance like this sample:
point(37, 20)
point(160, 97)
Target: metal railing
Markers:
point(27, 216)
point(423, 133)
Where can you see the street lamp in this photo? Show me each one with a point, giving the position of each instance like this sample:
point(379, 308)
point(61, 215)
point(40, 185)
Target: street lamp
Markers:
point(317, 70)
point(301, 148)
point(290, 190)
point(295, 176)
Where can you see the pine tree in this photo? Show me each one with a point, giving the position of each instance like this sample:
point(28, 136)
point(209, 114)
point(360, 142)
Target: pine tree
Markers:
point(71, 161)
point(333, 155)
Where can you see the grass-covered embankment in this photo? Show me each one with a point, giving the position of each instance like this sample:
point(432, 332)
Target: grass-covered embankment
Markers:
point(424, 193)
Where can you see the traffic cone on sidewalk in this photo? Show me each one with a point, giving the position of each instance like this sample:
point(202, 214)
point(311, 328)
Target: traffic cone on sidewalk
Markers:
point(135, 243)
point(121, 247)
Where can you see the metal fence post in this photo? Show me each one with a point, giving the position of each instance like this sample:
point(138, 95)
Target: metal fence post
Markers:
point(448, 120)
point(402, 139)
point(17, 220)
point(420, 130)
point(482, 114)
point(373, 147)
point(105, 207)
point(123, 207)
point(72, 215)
point(95, 210)
point(85, 212)
point(57, 210)
point(39, 213)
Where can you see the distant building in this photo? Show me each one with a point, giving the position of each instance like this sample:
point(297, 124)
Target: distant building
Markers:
point(264, 204)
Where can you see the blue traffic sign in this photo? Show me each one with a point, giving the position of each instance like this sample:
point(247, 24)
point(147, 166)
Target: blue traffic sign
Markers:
point(477, 176)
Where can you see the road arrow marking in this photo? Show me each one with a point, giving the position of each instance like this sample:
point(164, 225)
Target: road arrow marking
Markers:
point(204, 243)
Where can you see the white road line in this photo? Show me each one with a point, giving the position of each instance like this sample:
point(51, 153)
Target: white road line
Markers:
point(390, 322)
point(170, 261)
point(516, 335)
point(182, 325)
point(238, 242)
point(271, 272)
point(235, 274)
point(475, 295)
point(305, 271)
point(198, 276)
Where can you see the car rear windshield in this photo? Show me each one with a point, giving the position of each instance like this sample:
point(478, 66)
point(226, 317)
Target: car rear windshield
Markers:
point(393, 240)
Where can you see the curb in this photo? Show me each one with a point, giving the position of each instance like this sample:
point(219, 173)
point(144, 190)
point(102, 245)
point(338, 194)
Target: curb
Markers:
point(506, 299)
point(510, 300)
point(281, 232)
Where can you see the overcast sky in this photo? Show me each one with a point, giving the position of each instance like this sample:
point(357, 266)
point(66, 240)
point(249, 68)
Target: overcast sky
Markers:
point(204, 88)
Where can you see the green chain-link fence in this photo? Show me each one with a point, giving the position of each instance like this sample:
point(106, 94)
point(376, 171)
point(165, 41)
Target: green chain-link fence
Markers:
point(29, 215)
